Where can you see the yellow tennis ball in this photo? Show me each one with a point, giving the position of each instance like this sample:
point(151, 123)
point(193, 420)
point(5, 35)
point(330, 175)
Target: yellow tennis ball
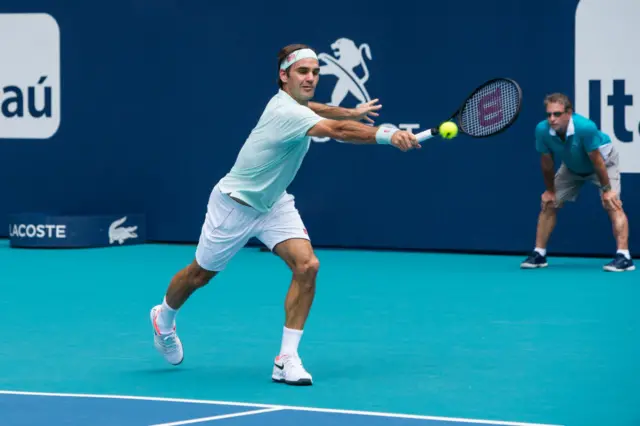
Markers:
point(448, 130)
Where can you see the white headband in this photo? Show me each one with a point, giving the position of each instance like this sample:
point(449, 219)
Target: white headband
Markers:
point(296, 56)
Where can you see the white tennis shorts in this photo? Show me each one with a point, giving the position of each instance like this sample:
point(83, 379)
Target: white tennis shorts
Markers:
point(229, 225)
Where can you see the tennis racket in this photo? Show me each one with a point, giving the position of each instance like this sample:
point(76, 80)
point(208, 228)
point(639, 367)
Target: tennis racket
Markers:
point(490, 109)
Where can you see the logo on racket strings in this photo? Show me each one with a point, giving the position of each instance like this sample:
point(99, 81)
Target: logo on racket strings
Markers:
point(490, 108)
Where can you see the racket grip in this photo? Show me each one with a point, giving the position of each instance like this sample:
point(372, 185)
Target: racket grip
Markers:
point(427, 134)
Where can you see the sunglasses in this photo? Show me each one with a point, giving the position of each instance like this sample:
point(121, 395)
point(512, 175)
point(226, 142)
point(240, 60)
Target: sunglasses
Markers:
point(555, 114)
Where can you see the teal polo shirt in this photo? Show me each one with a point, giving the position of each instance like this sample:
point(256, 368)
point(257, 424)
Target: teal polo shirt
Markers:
point(582, 137)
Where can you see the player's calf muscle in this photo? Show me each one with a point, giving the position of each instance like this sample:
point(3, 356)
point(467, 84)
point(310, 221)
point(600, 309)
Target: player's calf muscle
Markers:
point(185, 282)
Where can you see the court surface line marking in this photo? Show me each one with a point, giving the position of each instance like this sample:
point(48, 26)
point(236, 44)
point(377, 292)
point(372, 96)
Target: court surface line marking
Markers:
point(219, 417)
point(283, 407)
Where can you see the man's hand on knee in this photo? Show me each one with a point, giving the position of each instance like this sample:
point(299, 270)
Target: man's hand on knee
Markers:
point(611, 201)
point(548, 200)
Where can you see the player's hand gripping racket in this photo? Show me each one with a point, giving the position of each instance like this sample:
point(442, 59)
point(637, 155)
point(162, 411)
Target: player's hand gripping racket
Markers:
point(490, 109)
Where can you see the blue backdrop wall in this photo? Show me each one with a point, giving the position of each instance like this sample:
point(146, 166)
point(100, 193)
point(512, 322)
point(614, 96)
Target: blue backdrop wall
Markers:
point(157, 97)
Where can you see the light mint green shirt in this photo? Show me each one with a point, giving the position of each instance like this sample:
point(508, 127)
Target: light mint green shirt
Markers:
point(272, 154)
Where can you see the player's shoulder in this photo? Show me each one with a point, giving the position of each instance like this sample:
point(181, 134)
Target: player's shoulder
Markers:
point(583, 125)
point(276, 110)
point(277, 102)
point(542, 128)
point(283, 106)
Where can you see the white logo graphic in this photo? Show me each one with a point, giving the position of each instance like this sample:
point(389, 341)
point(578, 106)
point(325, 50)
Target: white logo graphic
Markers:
point(121, 234)
point(29, 76)
point(607, 78)
point(347, 56)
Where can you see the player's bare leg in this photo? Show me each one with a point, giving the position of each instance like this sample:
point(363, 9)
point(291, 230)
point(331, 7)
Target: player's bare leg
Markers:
point(182, 285)
point(620, 225)
point(546, 223)
point(299, 256)
point(185, 282)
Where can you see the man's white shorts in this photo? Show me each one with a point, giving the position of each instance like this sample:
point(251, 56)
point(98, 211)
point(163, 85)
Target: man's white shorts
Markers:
point(229, 225)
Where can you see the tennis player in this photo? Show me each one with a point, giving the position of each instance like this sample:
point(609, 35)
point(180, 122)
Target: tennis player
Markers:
point(252, 201)
point(587, 155)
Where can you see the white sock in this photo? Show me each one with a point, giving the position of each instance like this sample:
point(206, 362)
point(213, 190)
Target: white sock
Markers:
point(290, 341)
point(166, 317)
point(542, 251)
point(626, 253)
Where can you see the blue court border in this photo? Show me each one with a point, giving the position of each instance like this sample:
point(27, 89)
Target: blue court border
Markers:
point(251, 413)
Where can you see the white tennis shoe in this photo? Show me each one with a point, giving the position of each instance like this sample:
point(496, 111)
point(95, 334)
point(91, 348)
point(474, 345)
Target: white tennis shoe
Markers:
point(288, 369)
point(168, 344)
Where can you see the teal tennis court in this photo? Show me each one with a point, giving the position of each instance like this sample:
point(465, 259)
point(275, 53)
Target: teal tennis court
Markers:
point(393, 339)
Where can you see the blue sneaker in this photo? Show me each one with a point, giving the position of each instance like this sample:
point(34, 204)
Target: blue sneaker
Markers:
point(619, 264)
point(535, 260)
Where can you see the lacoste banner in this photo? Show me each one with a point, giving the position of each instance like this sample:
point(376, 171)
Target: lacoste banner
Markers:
point(45, 230)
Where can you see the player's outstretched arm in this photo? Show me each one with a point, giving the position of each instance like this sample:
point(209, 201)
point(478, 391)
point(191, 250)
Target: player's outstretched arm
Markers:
point(331, 112)
point(362, 112)
point(358, 133)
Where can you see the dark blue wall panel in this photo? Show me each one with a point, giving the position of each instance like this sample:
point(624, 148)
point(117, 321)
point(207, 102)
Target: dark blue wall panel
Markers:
point(157, 98)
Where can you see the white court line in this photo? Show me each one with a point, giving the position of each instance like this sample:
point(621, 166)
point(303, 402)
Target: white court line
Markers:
point(220, 417)
point(281, 407)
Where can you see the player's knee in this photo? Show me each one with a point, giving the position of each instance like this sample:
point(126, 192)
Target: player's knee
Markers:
point(308, 269)
point(200, 280)
point(198, 277)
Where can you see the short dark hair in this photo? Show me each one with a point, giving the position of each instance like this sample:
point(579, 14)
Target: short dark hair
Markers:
point(559, 98)
point(286, 51)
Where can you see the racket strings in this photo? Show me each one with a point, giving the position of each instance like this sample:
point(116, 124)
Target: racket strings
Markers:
point(490, 109)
